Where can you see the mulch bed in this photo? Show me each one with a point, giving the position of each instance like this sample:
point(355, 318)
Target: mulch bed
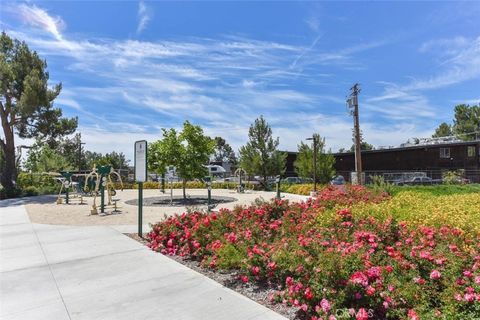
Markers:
point(259, 293)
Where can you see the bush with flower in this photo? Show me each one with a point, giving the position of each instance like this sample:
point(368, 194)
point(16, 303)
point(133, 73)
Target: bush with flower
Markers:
point(331, 263)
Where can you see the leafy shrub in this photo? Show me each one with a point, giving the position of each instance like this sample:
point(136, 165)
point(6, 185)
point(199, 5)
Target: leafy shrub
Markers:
point(30, 191)
point(10, 193)
point(302, 189)
point(326, 259)
point(37, 183)
point(454, 177)
point(379, 184)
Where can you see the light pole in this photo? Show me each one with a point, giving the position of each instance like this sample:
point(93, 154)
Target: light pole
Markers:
point(80, 155)
point(315, 141)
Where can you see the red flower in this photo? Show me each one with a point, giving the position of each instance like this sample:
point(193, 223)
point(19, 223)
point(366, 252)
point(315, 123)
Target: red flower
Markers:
point(308, 294)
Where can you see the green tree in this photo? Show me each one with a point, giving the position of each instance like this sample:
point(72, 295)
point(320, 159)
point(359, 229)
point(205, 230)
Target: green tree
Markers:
point(260, 155)
point(223, 151)
point(443, 130)
point(91, 158)
point(115, 159)
point(45, 159)
point(466, 124)
point(325, 161)
point(189, 151)
point(26, 103)
point(363, 146)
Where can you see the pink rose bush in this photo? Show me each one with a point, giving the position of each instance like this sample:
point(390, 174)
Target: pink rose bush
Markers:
point(327, 262)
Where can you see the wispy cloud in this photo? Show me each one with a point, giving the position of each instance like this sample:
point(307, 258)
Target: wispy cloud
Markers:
point(37, 17)
point(461, 62)
point(144, 16)
point(222, 83)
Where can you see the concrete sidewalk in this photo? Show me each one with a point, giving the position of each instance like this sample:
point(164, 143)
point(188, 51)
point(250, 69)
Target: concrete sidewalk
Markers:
point(57, 272)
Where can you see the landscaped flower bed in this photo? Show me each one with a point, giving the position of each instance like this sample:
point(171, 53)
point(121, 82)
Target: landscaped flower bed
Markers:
point(335, 265)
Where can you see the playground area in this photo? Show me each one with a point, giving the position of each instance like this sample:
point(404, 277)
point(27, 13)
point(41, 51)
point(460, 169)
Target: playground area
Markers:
point(45, 210)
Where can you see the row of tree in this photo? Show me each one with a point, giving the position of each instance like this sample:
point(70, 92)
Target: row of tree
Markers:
point(190, 150)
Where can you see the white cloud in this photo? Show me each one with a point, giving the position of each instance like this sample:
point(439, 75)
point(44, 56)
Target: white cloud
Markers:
point(222, 84)
point(144, 16)
point(461, 63)
point(313, 23)
point(37, 17)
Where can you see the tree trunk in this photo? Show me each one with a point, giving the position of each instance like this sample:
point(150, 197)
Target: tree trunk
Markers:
point(184, 185)
point(9, 172)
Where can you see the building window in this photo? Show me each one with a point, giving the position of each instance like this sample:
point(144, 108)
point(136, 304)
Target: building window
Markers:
point(444, 152)
point(471, 151)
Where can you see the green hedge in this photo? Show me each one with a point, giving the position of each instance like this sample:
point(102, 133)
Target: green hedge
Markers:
point(32, 184)
point(190, 185)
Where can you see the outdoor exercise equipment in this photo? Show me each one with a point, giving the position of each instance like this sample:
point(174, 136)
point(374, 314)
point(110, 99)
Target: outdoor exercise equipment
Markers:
point(240, 172)
point(277, 182)
point(102, 177)
point(72, 192)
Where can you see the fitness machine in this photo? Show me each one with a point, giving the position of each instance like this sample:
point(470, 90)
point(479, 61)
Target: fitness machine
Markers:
point(102, 176)
point(72, 191)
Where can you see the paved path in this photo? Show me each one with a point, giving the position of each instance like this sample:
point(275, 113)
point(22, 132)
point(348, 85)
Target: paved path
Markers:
point(59, 272)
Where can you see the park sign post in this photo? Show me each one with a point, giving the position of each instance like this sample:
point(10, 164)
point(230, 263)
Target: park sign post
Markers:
point(140, 177)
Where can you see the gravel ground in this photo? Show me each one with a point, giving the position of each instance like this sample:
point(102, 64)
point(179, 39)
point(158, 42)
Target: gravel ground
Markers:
point(229, 279)
point(43, 209)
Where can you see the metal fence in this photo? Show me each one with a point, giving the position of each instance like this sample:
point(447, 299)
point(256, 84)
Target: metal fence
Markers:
point(473, 176)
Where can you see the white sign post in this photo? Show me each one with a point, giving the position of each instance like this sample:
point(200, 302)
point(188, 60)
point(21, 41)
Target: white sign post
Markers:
point(140, 177)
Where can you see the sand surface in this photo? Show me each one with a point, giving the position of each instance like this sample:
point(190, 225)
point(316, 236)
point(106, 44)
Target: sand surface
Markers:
point(43, 209)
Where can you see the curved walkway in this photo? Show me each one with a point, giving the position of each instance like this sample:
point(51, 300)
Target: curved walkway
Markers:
point(96, 272)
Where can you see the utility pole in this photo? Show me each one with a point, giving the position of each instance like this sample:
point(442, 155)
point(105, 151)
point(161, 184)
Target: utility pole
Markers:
point(352, 103)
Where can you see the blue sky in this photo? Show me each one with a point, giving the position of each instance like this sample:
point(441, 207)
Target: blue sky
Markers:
point(130, 68)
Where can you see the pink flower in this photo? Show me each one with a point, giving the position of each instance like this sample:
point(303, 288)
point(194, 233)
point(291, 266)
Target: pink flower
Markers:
point(325, 305)
point(467, 273)
point(370, 291)
point(244, 279)
point(412, 315)
point(469, 297)
point(374, 272)
point(435, 274)
point(389, 269)
point(362, 314)
point(231, 237)
point(272, 265)
point(477, 279)
point(289, 281)
point(359, 278)
point(255, 270)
